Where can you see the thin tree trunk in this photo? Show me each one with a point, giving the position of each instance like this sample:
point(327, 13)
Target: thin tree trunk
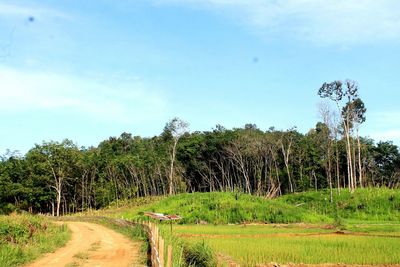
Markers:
point(349, 158)
point(330, 171)
point(337, 167)
point(360, 175)
point(171, 169)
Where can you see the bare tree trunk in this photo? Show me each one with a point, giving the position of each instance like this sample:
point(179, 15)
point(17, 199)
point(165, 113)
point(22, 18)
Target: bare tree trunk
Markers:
point(286, 154)
point(330, 171)
point(171, 168)
point(58, 183)
point(315, 180)
point(337, 167)
point(360, 175)
point(58, 202)
point(349, 157)
point(353, 153)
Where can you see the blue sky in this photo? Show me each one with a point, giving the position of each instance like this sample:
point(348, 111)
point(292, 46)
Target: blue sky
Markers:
point(87, 70)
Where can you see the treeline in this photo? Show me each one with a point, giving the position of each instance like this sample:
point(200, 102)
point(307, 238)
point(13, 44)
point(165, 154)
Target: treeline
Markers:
point(61, 176)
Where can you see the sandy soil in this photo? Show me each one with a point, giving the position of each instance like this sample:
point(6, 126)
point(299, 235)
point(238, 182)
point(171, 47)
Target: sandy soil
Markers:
point(93, 245)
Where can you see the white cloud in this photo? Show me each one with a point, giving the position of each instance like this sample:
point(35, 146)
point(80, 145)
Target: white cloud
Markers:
point(325, 22)
point(129, 102)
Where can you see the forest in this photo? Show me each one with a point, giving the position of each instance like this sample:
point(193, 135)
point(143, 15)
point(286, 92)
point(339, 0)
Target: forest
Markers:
point(60, 177)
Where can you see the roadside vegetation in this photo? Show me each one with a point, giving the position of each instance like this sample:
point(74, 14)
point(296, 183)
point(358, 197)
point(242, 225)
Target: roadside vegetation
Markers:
point(25, 237)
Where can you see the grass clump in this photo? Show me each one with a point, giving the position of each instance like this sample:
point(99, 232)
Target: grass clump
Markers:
point(82, 255)
point(24, 237)
point(198, 254)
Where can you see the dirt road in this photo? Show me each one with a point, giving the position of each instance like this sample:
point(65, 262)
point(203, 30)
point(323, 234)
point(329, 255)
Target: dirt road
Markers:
point(93, 245)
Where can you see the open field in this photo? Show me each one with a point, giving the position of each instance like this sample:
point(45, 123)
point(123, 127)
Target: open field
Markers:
point(261, 244)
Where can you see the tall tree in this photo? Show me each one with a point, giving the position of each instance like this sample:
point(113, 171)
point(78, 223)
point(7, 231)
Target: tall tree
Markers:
point(175, 128)
point(59, 159)
point(337, 91)
point(354, 112)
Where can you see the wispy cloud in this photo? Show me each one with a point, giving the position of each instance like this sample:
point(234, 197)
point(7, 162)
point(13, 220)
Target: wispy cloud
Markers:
point(327, 22)
point(129, 102)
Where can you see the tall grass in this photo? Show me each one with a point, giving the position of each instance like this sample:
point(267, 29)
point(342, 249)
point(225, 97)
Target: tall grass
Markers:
point(198, 254)
point(24, 237)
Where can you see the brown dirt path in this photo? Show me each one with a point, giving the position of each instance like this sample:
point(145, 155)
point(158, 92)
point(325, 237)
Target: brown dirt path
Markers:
point(93, 245)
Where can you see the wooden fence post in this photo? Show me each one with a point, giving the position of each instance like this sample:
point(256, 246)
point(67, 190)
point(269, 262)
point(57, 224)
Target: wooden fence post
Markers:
point(169, 256)
point(159, 257)
point(161, 251)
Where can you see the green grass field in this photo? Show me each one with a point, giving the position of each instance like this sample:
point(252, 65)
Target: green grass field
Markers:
point(256, 244)
point(24, 237)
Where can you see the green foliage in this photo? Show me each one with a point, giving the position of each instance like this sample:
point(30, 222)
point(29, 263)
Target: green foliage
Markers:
point(23, 238)
point(198, 254)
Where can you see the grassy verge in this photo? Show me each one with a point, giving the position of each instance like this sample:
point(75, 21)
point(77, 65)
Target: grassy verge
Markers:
point(23, 238)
